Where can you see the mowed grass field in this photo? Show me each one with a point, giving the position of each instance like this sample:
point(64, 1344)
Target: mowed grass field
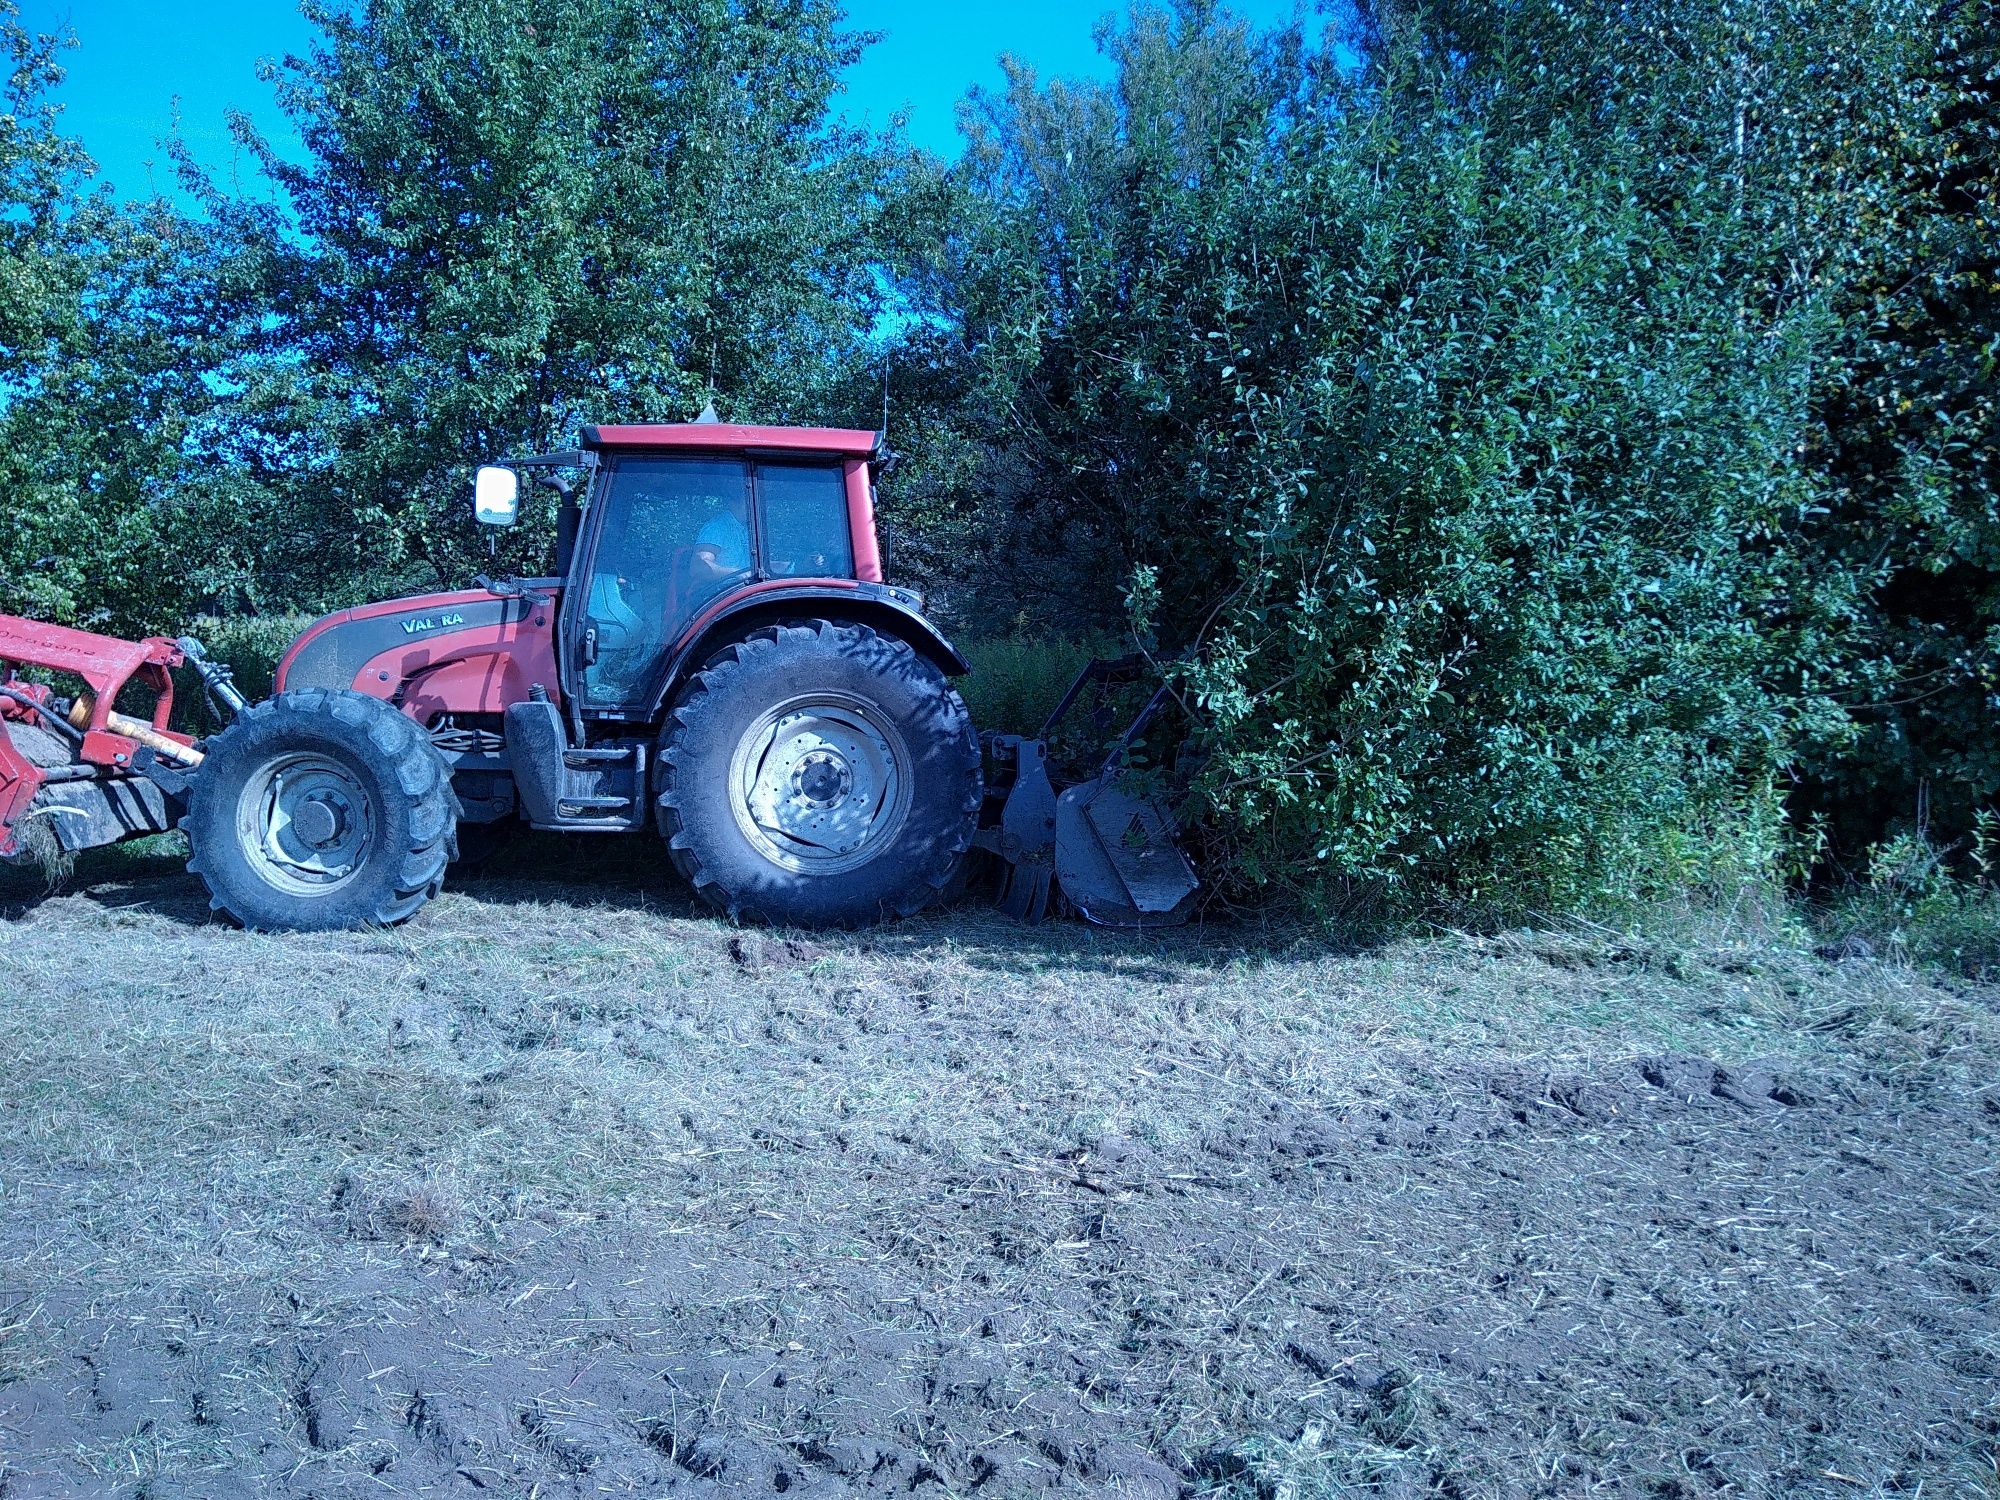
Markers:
point(569, 1189)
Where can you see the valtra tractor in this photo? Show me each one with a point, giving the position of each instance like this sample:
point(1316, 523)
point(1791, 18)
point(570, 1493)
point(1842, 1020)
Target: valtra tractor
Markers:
point(716, 661)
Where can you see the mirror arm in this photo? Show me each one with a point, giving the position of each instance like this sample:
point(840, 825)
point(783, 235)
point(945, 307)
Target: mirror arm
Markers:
point(511, 588)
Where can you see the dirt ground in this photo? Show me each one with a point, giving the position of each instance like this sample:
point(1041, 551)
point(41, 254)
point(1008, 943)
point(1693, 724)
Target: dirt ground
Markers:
point(568, 1190)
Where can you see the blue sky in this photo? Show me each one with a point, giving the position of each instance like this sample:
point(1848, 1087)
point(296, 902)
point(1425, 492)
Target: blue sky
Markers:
point(136, 57)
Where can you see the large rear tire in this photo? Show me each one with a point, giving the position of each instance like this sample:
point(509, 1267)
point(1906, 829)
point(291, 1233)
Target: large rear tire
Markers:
point(320, 809)
point(821, 775)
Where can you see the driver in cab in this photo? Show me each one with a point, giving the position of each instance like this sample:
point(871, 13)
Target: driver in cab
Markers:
point(619, 608)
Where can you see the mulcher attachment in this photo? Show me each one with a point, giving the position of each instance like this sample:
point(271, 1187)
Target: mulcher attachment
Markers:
point(1105, 842)
point(1025, 839)
point(1116, 856)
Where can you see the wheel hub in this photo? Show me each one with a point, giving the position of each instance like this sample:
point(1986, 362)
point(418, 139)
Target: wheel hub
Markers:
point(304, 822)
point(820, 782)
point(319, 821)
point(823, 778)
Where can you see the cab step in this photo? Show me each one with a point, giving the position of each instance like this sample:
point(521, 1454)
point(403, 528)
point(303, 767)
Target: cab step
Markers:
point(574, 788)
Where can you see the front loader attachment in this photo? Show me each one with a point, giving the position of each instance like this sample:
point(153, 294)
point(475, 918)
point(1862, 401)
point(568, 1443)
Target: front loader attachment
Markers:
point(74, 771)
point(1106, 843)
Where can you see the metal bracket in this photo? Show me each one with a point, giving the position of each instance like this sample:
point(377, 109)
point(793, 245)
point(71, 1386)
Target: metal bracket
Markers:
point(170, 779)
point(1025, 841)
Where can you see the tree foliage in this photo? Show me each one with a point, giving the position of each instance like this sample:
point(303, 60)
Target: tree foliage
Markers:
point(103, 313)
point(1461, 394)
point(515, 218)
point(1911, 438)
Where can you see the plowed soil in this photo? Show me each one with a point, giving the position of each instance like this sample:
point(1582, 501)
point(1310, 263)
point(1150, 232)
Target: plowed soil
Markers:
point(567, 1189)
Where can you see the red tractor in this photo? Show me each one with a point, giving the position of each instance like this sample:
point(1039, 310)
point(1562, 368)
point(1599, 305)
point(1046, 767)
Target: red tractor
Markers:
point(717, 659)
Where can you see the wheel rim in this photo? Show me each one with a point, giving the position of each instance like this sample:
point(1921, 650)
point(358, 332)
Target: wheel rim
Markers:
point(821, 783)
point(305, 823)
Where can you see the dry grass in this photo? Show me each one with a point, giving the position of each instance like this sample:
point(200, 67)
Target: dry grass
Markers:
point(566, 1189)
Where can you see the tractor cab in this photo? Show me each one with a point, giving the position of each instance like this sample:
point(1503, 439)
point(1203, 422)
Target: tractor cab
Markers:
point(680, 523)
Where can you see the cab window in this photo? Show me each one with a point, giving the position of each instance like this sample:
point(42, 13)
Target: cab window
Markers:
point(802, 521)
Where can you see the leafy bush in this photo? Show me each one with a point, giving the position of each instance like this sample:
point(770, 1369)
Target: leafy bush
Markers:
point(1912, 442)
point(1459, 407)
point(1916, 901)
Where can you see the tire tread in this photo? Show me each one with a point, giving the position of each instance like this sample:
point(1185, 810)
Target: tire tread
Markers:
point(413, 770)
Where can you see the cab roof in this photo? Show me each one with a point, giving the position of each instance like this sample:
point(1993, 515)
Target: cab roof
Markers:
point(731, 437)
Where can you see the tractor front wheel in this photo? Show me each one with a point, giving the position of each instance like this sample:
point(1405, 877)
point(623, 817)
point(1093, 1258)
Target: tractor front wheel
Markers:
point(819, 774)
point(320, 809)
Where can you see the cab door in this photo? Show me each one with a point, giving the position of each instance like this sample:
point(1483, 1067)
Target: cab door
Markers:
point(669, 534)
point(666, 535)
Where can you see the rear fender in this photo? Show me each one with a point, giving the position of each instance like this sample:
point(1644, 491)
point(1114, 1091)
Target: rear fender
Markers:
point(888, 611)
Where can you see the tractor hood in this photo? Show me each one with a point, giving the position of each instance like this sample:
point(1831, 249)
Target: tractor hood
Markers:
point(467, 651)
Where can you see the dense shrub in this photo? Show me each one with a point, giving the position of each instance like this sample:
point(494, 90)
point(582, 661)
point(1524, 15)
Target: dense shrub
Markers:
point(1017, 680)
point(1914, 901)
point(1912, 441)
point(250, 646)
point(1460, 406)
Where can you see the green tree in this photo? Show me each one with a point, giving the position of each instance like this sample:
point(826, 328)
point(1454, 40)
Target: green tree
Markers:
point(103, 314)
point(40, 302)
point(1862, 142)
point(1458, 404)
point(1051, 401)
point(516, 218)
point(1913, 440)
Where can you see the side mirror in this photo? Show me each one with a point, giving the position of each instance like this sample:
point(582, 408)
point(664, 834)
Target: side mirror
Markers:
point(496, 496)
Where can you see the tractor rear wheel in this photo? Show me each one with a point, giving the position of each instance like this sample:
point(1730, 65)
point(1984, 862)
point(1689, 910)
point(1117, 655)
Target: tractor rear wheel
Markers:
point(819, 774)
point(320, 809)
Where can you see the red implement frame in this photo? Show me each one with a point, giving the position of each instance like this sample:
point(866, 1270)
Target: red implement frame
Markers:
point(106, 664)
